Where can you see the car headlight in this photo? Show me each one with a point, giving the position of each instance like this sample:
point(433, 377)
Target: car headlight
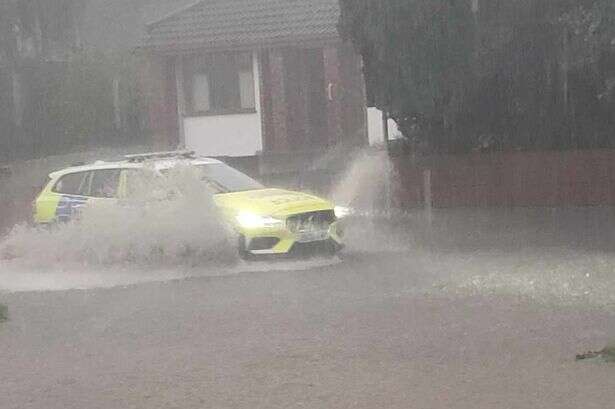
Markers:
point(254, 221)
point(341, 211)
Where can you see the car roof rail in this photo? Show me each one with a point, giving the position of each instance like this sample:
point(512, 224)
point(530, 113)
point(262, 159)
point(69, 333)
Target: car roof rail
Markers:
point(184, 154)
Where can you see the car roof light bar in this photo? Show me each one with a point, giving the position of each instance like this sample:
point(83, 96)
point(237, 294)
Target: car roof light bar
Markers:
point(185, 154)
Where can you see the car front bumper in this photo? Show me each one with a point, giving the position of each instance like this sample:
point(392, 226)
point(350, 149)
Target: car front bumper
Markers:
point(283, 241)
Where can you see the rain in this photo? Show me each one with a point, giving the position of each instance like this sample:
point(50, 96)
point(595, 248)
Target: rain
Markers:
point(314, 203)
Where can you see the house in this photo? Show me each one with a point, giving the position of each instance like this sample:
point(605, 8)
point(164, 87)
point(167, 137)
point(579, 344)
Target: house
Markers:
point(255, 77)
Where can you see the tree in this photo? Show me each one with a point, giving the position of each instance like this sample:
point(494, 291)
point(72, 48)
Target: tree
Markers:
point(417, 56)
point(494, 74)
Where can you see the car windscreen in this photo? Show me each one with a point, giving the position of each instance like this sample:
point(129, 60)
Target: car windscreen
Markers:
point(226, 179)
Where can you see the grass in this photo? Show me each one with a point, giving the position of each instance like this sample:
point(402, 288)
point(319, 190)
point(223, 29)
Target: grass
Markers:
point(4, 313)
point(607, 354)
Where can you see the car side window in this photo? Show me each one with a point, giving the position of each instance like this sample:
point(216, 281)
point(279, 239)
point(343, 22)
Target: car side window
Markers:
point(105, 183)
point(73, 184)
point(139, 183)
point(132, 181)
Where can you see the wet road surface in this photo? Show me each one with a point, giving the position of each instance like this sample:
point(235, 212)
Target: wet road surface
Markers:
point(377, 331)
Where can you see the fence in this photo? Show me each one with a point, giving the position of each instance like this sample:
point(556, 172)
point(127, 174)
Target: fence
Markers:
point(515, 179)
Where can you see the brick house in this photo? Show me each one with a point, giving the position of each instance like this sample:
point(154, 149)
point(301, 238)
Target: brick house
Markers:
point(254, 77)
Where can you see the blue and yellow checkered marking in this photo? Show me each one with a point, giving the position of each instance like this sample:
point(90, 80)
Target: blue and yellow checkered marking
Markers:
point(68, 207)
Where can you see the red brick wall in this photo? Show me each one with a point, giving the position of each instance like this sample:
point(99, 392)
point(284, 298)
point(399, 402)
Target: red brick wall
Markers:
point(266, 95)
point(333, 78)
point(276, 132)
point(159, 84)
point(312, 98)
point(298, 125)
point(554, 179)
point(352, 97)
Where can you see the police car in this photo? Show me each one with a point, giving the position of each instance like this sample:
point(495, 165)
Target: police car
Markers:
point(267, 221)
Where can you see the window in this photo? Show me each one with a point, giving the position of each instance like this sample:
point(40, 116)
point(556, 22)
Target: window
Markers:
point(224, 179)
point(219, 83)
point(139, 183)
point(73, 184)
point(105, 183)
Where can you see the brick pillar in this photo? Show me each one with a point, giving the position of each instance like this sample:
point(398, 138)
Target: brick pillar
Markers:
point(334, 102)
point(353, 98)
point(279, 106)
point(266, 102)
point(297, 99)
point(159, 84)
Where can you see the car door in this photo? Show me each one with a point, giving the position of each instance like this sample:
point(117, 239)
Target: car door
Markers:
point(141, 185)
point(101, 188)
point(70, 193)
point(92, 188)
point(104, 186)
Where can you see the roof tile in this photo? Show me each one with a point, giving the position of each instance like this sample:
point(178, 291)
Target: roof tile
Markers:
point(220, 24)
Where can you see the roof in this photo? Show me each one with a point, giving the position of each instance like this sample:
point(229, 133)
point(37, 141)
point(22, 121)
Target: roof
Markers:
point(233, 24)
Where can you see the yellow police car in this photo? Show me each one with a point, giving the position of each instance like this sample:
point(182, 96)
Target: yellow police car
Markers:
point(267, 221)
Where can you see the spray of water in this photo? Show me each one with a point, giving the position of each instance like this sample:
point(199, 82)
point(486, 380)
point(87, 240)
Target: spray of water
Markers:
point(169, 228)
point(366, 188)
point(166, 220)
point(362, 185)
point(462, 254)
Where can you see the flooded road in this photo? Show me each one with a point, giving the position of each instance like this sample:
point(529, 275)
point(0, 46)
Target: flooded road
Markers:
point(380, 329)
point(399, 320)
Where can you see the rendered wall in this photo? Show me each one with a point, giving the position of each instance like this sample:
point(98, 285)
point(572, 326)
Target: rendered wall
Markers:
point(227, 135)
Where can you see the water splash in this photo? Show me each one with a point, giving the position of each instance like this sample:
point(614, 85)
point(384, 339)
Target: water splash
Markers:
point(363, 184)
point(170, 229)
point(183, 227)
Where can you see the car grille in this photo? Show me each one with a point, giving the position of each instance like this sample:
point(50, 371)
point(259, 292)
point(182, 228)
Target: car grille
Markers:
point(310, 221)
point(263, 243)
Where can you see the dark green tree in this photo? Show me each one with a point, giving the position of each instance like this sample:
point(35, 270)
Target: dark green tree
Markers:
point(417, 56)
point(489, 74)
